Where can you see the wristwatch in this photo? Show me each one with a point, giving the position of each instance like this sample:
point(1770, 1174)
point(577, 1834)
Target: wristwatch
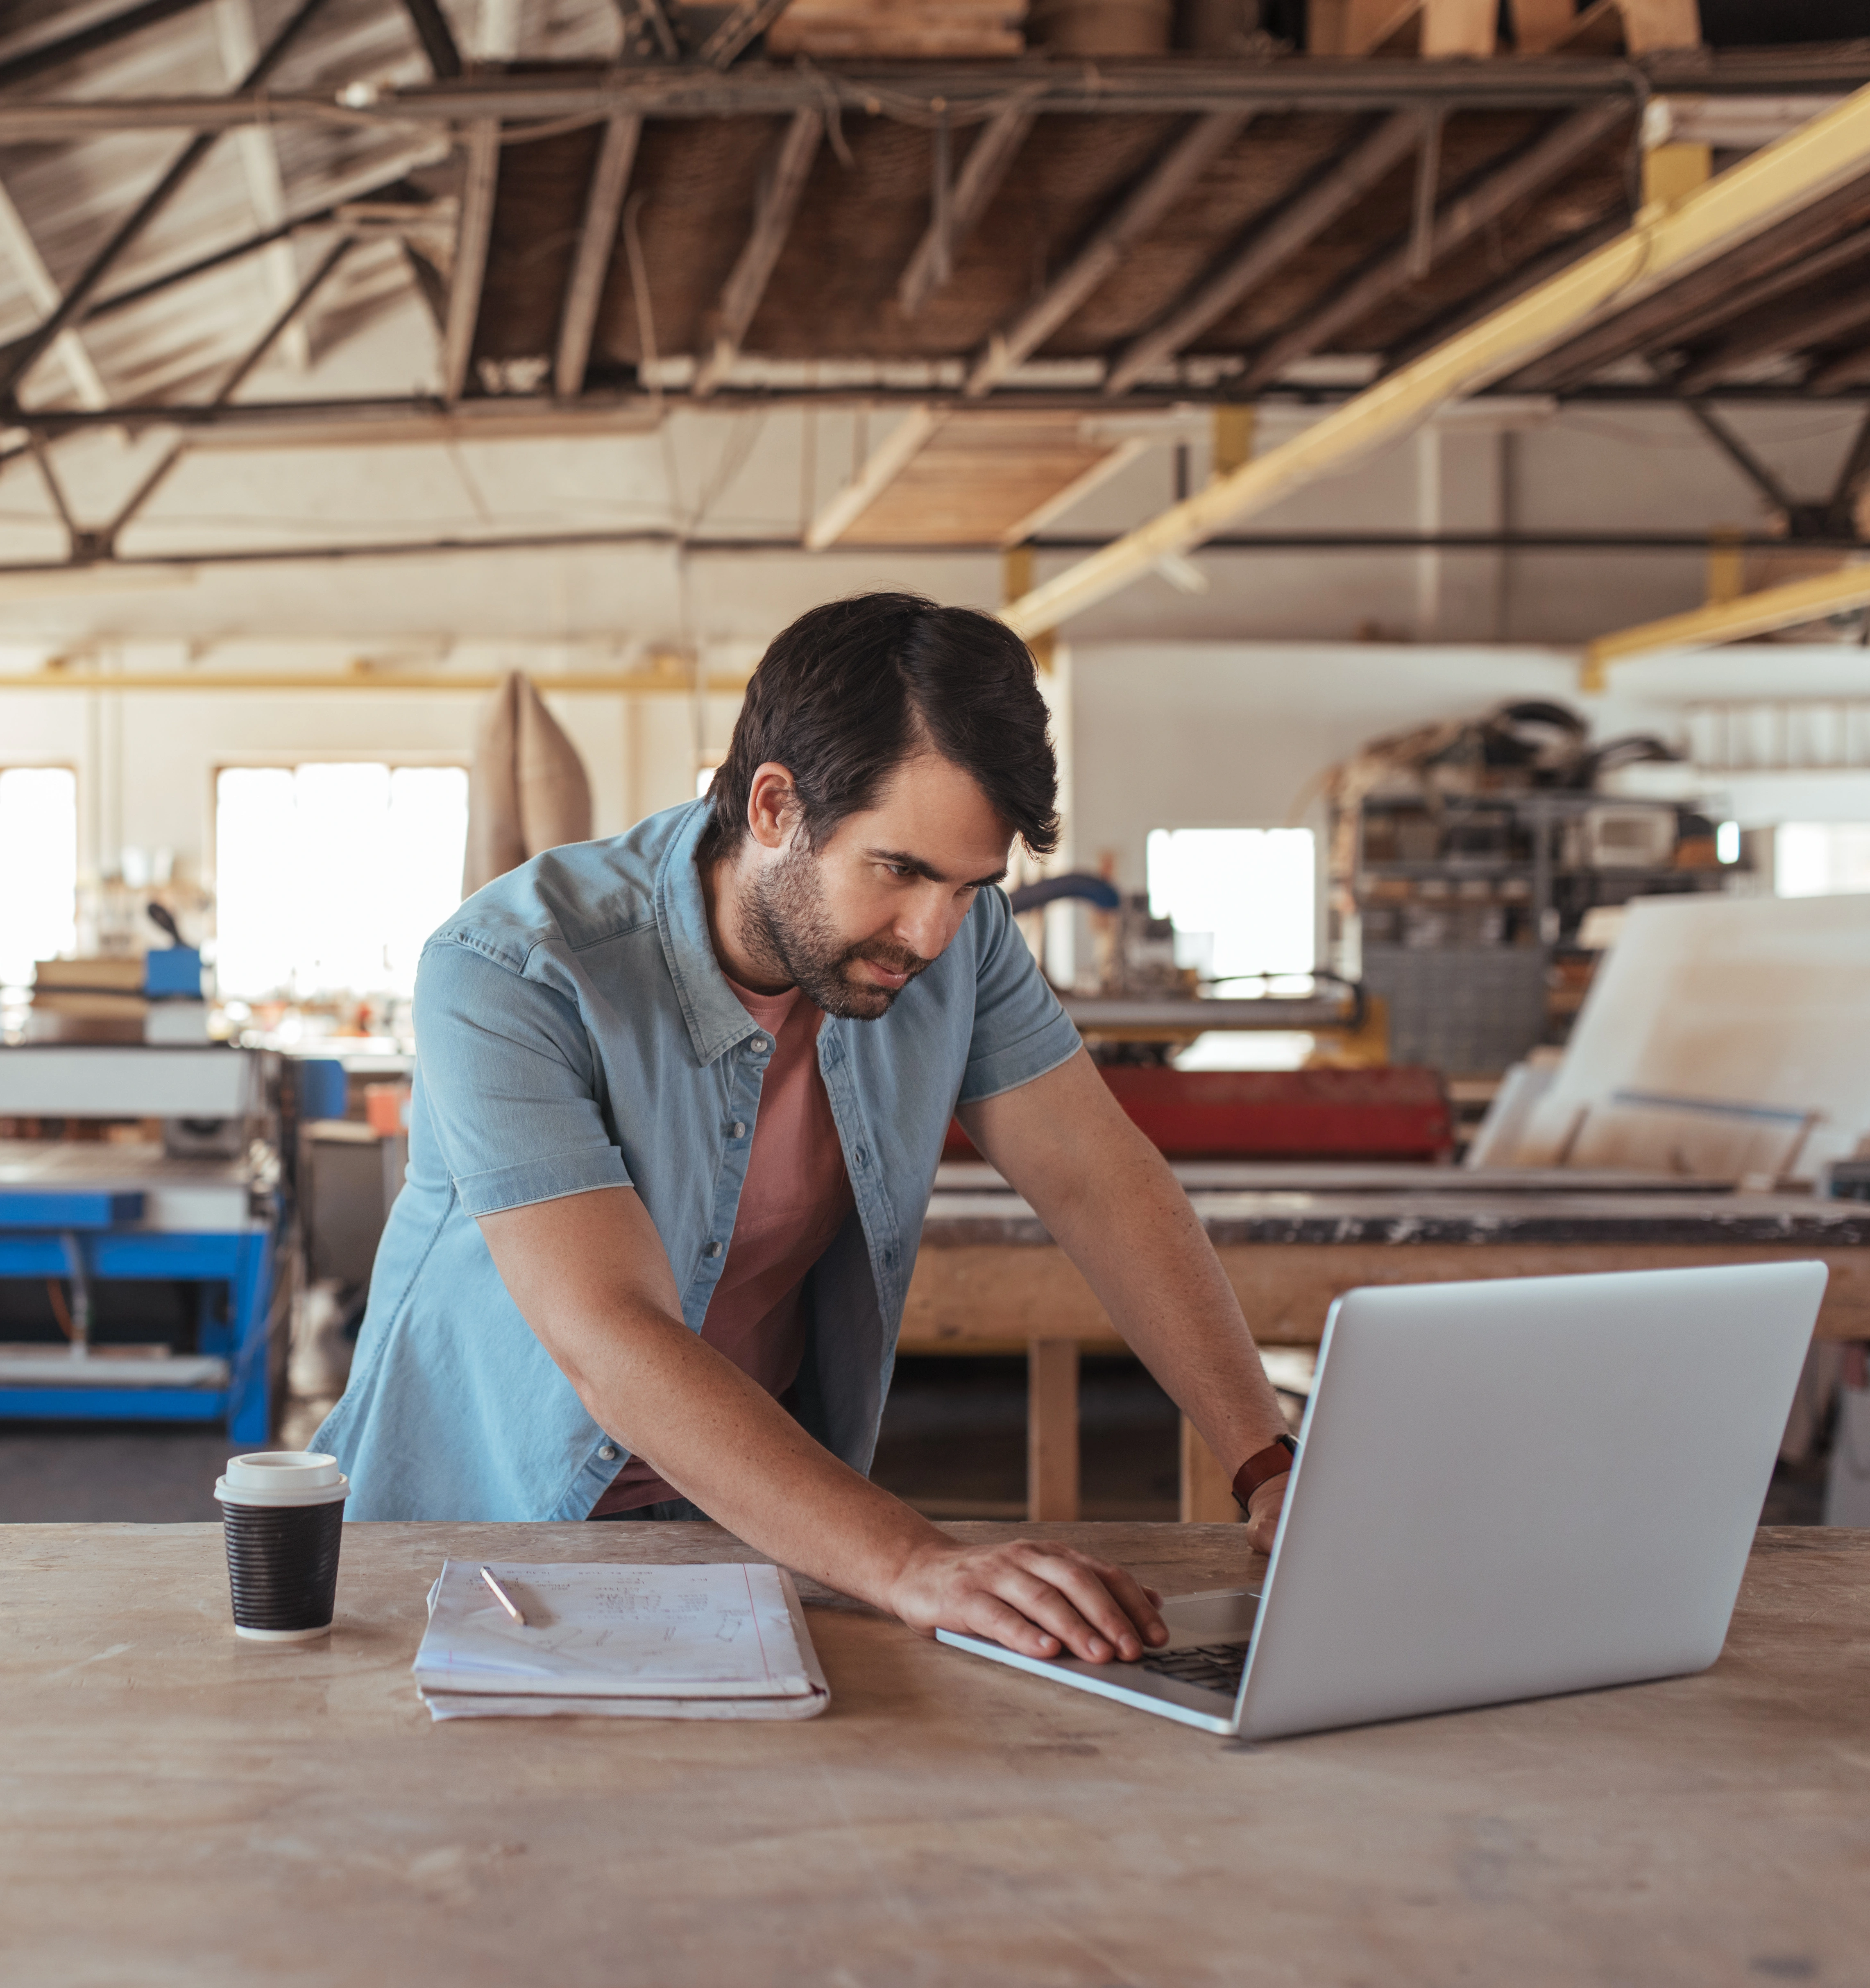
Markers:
point(1263, 1466)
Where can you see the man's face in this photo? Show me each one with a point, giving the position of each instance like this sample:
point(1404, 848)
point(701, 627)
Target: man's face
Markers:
point(853, 923)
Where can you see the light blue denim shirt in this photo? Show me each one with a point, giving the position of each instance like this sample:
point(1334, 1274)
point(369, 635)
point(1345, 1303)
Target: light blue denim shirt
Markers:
point(574, 1031)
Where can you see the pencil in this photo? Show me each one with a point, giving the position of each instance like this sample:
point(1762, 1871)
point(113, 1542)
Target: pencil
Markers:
point(501, 1596)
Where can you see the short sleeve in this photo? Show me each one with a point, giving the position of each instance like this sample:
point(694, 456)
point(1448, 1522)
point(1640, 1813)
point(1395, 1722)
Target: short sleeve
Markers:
point(1020, 1031)
point(507, 1079)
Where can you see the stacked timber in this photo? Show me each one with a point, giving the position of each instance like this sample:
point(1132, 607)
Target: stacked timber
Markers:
point(97, 1000)
point(898, 28)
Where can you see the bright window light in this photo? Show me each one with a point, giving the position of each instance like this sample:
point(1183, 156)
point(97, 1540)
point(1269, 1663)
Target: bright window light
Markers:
point(39, 868)
point(329, 878)
point(1821, 859)
point(1254, 890)
point(1727, 842)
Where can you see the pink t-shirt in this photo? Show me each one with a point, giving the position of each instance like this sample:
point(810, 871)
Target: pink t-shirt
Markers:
point(794, 1198)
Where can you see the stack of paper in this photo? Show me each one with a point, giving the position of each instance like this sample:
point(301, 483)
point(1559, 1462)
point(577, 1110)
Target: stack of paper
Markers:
point(712, 1642)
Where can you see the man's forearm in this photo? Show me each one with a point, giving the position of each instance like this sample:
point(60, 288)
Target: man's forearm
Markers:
point(589, 1273)
point(1143, 1250)
point(723, 1442)
point(1111, 1202)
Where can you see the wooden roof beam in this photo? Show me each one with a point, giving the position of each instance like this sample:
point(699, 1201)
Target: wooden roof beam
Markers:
point(604, 207)
point(437, 37)
point(1648, 324)
point(22, 358)
point(105, 542)
point(1270, 245)
point(774, 211)
point(238, 34)
point(1434, 27)
point(885, 464)
point(17, 245)
point(1746, 298)
point(474, 232)
point(1068, 495)
point(1644, 27)
point(217, 259)
point(48, 56)
point(1763, 613)
point(1665, 243)
point(1796, 326)
point(1459, 221)
point(982, 172)
point(1141, 209)
point(745, 21)
point(1847, 368)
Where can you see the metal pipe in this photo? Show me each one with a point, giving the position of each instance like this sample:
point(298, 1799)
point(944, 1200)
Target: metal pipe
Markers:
point(1345, 544)
point(921, 92)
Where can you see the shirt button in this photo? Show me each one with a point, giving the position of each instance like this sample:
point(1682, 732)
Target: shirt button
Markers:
point(759, 1045)
point(859, 1158)
point(606, 1452)
point(713, 1249)
point(738, 1128)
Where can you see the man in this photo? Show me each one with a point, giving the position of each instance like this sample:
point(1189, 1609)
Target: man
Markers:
point(679, 1101)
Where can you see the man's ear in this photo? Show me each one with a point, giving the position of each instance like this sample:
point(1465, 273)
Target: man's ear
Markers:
point(773, 806)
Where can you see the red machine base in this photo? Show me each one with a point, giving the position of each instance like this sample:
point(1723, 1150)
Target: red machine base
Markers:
point(1279, 1114)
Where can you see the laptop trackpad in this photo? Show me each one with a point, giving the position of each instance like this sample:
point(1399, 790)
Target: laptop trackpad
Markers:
point(1216, 1616)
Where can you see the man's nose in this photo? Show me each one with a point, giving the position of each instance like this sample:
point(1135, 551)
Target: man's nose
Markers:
point(925, 925)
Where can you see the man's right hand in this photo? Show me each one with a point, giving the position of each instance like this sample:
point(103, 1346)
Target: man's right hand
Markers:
point(1040, 1599)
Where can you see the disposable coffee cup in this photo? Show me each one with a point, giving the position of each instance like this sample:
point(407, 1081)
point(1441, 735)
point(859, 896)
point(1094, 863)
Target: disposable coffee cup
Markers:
point(283, 1512)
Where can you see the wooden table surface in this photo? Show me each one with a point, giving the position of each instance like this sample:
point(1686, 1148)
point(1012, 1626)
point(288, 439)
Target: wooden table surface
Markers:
point(179, 1807)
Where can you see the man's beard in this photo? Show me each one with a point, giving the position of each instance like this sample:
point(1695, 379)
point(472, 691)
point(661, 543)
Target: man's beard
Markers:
point(789, 933)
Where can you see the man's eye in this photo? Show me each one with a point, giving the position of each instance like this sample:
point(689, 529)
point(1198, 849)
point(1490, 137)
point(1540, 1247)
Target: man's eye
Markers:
point(899, 870)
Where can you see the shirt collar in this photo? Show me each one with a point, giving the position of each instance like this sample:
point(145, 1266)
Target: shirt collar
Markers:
point(716, 1020)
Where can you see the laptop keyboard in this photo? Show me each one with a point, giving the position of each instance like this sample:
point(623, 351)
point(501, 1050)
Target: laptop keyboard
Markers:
point(1213, 1666)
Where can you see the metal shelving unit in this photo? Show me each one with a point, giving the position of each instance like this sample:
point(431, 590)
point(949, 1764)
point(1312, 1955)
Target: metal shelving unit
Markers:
point(1463, 911)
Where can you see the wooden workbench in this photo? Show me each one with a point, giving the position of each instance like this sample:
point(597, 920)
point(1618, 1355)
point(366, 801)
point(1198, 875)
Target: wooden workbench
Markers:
point(989, 1279)
point(178, 1807)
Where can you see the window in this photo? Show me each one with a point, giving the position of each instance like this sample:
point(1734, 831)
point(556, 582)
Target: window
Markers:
point(1821, 859)
point(1242, 900)
point(39, 868)
point(328, 878)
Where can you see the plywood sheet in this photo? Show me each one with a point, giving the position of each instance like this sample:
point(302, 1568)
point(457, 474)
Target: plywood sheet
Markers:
point(1721, 1034)
point(986, 477)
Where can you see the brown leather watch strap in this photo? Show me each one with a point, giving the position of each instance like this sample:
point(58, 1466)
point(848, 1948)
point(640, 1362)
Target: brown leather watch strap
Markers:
point(1263, 1466)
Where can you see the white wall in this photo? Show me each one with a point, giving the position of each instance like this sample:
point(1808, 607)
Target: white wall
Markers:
point(146, 763)
point(1240, 734)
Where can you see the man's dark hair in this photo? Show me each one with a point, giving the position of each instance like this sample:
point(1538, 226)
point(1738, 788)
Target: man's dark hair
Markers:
point(852, 689)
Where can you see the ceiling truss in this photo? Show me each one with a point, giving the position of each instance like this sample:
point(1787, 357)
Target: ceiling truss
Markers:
point(1157, 262)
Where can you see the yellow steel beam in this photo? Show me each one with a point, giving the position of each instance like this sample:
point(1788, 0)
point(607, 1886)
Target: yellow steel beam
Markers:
point(1016, 580)
point(1664, 243)
point(1772, 607)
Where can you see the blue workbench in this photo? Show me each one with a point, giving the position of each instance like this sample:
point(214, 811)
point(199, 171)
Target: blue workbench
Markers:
point(143, 1217)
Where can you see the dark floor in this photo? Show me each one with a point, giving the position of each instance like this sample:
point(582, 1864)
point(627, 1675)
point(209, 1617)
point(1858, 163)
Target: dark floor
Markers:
point(954, 1439)
point(151, 1474)
point(953, 1444)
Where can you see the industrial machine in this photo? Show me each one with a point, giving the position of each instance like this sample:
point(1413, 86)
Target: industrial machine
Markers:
point(198, 1214)
point(1355, 1108)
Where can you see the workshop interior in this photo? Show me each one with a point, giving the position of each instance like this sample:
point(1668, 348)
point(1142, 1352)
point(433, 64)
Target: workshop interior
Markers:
point(1424, 444)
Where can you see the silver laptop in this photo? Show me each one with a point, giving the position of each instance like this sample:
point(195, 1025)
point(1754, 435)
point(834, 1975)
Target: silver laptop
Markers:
point(1504, 1489)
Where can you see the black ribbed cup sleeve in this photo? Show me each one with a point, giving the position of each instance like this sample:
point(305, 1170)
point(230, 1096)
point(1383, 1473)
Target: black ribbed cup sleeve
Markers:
point(282, 1563)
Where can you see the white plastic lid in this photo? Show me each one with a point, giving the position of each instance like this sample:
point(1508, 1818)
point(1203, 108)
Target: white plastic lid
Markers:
point(282, 1477)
